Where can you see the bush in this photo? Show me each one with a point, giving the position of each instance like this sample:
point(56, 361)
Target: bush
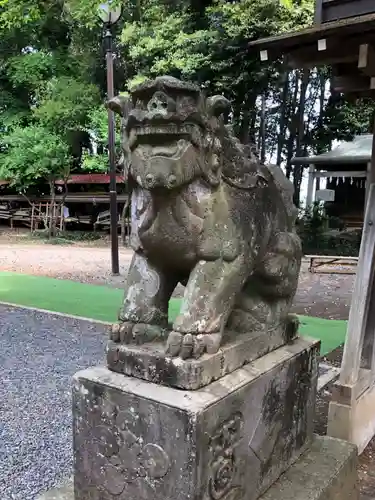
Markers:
point(79, 235)
point(66, 237)
point(324, 235)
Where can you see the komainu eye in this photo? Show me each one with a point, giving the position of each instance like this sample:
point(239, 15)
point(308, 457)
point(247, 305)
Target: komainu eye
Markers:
point(186, 105)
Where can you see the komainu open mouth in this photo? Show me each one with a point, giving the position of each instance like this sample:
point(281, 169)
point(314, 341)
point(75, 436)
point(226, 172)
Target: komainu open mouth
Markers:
point(171, 132)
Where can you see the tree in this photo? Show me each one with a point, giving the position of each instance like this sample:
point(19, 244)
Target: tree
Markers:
point(31, 154)
point(52, 72)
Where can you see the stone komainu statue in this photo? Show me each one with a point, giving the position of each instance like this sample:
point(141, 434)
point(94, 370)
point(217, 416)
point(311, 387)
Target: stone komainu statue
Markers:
point(207, 214)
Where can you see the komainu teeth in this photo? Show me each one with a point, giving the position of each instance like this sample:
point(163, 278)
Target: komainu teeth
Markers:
point(171, 129)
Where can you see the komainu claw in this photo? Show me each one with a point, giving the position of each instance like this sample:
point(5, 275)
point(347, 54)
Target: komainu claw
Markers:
point(188, 345)
point(114, 332)
point(174, 343)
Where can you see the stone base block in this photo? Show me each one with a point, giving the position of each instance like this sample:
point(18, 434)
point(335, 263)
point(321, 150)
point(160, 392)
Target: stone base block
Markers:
point(230, 440)
point(353, 419)
point(326, 471)
point(149, 361)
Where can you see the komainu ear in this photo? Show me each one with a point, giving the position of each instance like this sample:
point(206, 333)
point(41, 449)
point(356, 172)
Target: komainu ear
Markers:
point(121, 105)
point(218, 105)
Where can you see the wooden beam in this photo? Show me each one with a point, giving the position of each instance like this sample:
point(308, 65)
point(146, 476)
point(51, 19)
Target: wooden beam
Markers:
point(350, 84)
point(345, 9)
point(366, 59)
point(329, 51)
point(305, 58)
point(318, 12)
point(343, 173)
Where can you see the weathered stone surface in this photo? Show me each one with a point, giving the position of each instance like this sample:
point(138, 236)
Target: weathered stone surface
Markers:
point(232, 439)
point(327, 471)
point(150, 362)
point(205, 213)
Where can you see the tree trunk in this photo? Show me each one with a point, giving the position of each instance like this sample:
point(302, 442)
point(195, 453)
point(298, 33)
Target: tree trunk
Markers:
point(322, 82)
point(123, 221)
point(283, 118)
point(52, 220)
point(292, 125)
point(298, 169)
point(248, 115)
point(262, 132)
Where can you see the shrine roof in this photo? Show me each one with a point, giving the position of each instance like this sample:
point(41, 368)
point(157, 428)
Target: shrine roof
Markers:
point(280, 44)
point(356, 151)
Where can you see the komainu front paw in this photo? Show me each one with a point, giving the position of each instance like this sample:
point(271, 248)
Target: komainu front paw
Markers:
point(128, 332)
point(187, 345)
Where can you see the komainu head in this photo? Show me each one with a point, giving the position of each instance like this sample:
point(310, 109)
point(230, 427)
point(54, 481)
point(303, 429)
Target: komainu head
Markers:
point(172, 133)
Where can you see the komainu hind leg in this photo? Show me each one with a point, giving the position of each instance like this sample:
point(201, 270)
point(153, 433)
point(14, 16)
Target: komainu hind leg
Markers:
point(266, 299)
point(256, 314)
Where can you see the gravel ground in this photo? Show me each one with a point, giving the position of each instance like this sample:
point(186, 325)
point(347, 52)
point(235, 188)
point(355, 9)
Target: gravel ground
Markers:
point(39, 353)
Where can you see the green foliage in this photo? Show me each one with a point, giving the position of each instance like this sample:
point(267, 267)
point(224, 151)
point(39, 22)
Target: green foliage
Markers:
point(53, 76)
point(31, 69)
point(33, 153)
point(97, 128)
point(311, 227)
point(65, 104)
point(323, 235)
point(95, 162)
point(166, 40)
point(14, 13)
point(66, 237)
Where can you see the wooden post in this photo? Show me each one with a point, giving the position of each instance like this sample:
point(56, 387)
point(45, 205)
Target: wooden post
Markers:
point(310, 187)
point(32, 217)
point(368, 182)
point(352, 409)
point(362, 292)
point(61, 217)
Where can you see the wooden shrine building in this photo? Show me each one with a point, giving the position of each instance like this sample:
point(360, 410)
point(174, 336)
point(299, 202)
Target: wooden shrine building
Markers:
point(86, 202)
point(343, 37)
point(345, 170)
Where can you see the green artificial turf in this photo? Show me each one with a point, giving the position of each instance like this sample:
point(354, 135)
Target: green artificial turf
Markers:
point(102, 303)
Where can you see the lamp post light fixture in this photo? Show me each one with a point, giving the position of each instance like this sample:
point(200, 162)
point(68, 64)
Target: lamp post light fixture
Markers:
point(110, 15)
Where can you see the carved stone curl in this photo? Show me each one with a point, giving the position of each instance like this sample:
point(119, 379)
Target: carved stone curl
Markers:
point(207, 214)
point(223, 464)
point(124, 464)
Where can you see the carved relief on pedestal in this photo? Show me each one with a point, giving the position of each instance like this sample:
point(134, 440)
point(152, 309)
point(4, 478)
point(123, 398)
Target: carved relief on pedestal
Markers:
point(223, 466)
point(125, 465)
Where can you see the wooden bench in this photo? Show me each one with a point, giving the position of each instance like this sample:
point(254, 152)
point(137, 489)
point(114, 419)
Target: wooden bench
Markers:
point(316, 262)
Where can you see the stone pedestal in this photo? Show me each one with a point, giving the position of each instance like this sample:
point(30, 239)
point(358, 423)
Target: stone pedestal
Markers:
point(231, 440)
point(326, 471)
point(150, 362)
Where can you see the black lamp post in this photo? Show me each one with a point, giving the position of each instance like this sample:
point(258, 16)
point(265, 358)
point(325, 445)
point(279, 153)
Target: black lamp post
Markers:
point(110, 15)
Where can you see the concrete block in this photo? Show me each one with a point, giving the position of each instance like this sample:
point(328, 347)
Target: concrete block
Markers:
point(353, 421)
point(327, 471)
